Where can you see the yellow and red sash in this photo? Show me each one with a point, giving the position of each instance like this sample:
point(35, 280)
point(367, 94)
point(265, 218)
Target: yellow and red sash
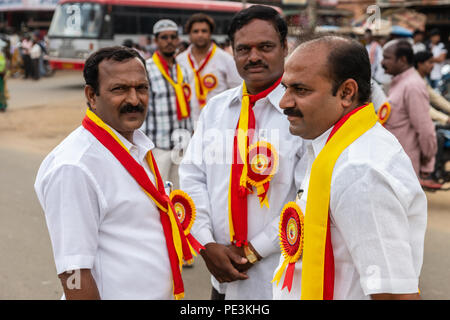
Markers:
point(176, 242)
point(384, 112)
point(318, 260)
point(240, 185)
point(203, 84)
point(182, 90)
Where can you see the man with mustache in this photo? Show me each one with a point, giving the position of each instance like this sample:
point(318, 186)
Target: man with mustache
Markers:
point(410, 119)
point(103, 198)
point(239, 166)
point(357, 230)
point(168, 123)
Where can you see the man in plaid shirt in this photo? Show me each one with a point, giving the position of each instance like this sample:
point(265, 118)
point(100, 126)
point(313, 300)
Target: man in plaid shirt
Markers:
point(168, 122)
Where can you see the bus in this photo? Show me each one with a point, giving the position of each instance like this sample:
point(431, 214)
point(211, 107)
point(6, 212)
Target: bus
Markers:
point(80, 27)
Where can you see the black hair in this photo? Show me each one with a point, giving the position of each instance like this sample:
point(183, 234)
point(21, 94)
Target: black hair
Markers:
point(435, 32)
point(347, 59)
point(417, 31)
point(421, 57)
point(117, 53)
point(404, 49)
point(244, 17)
point(199, 17)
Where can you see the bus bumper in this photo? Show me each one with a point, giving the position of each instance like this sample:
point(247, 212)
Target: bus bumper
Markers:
point(66, 64)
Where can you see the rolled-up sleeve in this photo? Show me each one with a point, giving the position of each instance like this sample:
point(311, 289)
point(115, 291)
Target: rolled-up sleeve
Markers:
point(372, 214)
point(72, 205)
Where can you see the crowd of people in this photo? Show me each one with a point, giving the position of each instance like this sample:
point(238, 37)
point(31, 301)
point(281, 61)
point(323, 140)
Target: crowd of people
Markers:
point(22, 56)
point(297, 186)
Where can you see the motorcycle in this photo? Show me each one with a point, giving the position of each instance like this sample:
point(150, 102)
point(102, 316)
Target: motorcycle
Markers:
point(444, 84)
point(441, 172)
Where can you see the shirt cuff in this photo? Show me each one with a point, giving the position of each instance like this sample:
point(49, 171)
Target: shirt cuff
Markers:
point(371, 285)
point(263, 245)
point(70, 263)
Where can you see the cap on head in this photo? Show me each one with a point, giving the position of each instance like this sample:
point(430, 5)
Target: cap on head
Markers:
point(164, 25)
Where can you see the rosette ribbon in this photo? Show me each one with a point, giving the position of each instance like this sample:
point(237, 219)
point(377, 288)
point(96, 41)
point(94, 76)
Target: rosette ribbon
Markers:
point(384, 112)
point(291, 242)
point(184, 209)
point(263, 164)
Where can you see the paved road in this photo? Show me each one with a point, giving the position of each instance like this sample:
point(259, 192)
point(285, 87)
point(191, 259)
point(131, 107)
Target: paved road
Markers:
point(26, 264)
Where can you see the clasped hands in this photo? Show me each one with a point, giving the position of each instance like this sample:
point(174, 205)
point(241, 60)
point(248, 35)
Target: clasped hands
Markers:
point(226, 263)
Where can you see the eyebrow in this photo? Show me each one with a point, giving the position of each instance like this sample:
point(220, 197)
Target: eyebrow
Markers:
point(295, 85)
point(262, 43)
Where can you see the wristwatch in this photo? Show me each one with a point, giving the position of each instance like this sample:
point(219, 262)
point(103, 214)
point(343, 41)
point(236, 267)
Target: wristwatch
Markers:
point(250, 255)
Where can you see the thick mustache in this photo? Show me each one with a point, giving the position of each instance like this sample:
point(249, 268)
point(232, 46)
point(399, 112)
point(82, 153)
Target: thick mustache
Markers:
point(255, 64)
point(128, 108)
point(293, 112)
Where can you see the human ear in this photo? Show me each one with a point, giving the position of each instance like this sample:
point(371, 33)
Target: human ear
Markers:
point(89, 92)
point(348, 92)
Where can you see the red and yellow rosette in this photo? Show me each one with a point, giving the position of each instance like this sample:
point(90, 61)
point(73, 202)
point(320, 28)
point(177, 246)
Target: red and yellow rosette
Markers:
point(291, 242)
point(209, 81)
point(262, 165)
point(384, 112)
point(185, 211)
point(187, 91)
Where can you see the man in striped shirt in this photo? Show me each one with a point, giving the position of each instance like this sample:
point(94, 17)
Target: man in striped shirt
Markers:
point(168, 121)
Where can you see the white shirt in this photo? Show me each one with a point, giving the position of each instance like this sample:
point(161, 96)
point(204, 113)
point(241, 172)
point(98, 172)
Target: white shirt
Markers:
point(378, 218)
point(205, 176)
point(99, 218)
point(221, 65)
point(437, 50)
point(35, 51)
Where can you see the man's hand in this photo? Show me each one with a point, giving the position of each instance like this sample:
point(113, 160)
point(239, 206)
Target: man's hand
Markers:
point(79, 285)
point(220, 259)
point(240, 251)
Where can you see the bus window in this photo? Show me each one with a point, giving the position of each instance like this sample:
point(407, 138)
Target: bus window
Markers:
point(78, 20)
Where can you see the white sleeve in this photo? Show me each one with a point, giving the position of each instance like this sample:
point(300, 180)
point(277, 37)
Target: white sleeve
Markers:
point(69, 198)
point(382, 223)
point(192, 172)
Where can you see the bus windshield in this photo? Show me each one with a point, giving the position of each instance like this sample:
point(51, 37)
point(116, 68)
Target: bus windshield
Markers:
point(77, 20)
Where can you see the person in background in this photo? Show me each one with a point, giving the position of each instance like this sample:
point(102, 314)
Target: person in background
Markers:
point(439, 52)
point(168, 123)
point(440, 107)
point(35, 55)
point(26, 46)
point(3, 72)
point(418, 44)
point(410, 120)
point(213, 71)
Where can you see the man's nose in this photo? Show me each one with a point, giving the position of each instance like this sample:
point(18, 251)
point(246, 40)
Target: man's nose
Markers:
point(286, 101)
point(132, 97)
point(254, 54)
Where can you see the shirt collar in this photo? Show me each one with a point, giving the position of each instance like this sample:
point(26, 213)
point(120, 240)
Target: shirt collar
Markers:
point(274, 97)
point(141, 142)
point(318, 143)
point(403, 75)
